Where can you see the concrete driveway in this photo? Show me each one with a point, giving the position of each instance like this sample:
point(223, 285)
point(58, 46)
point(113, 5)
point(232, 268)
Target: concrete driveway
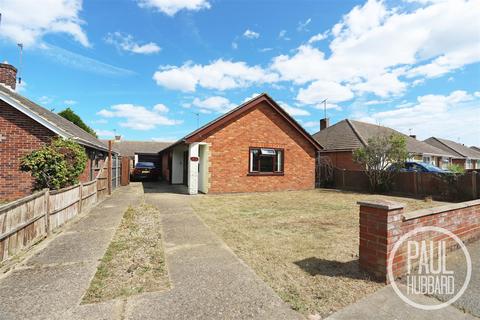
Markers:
point(208, 280)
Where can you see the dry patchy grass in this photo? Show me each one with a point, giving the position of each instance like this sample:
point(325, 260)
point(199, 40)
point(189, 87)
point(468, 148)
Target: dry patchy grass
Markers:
point(134, 261)
point(304, 244)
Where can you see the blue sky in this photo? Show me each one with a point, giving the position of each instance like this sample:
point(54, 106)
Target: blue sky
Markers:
point(145, 68)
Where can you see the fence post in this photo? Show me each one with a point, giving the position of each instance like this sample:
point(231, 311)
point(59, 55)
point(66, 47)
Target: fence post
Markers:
point(343, 178)
point(415, 184)
point(80, 196)
point(474, 185)
point(109, 168)
point(47, 211)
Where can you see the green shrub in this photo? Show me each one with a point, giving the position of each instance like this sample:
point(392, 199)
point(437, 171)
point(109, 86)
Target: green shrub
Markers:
point(455, 168)
point(56, 165)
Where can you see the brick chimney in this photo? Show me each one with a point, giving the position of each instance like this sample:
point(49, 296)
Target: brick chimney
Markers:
point(8, 75)
point(324, 123)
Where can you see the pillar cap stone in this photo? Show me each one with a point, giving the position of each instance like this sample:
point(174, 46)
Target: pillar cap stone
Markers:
point(382, 204)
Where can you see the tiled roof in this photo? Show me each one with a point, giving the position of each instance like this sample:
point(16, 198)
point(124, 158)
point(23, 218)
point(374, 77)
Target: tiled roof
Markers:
point(350, 134)
point(68, 129)
point(130, 148)
point(459, 149)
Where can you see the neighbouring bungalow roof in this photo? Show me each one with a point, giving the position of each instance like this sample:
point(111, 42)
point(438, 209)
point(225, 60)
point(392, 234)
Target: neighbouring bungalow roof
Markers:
point(460, 150)
point(204, 131)
point(49, 119)
point(130, 148)
point(350, 135)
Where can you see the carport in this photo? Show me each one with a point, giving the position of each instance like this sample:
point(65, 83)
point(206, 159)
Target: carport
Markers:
point(187, 164)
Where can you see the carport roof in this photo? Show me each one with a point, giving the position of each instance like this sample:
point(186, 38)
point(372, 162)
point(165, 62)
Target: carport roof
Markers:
point(130, 148)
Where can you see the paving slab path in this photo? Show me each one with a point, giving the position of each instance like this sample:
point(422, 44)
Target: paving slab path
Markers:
point(208, 280)
point(51, 283)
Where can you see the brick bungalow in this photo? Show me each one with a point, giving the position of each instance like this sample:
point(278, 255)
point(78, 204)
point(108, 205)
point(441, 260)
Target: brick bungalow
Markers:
point(255, 147)
point(341, 139)
point(25, 126)
point(468, 158)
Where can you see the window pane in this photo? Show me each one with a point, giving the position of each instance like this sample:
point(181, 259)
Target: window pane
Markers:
point(266, 164)
point(268, 152)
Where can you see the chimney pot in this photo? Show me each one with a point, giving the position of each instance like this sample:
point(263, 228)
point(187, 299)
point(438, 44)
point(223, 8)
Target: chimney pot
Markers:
point(324, 123)
point(8, 75)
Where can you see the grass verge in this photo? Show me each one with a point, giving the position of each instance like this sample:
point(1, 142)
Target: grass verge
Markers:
point(134, 261)
point(304, 244)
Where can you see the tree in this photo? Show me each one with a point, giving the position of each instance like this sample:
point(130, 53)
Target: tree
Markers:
point(56, 165)
point(382, 158)
point(71, 116)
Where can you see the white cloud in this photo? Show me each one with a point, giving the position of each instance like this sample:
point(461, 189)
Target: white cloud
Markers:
point(160, 107)
point(293, 111)
point(310, 124)
point(234, 45)
point(126, 42)
point(104, 134)
point(139, 117)
point(249, 34)
point(302, 25)
point(283, 35)
point(453, 116)
point(383, 50)
point(318, 37)
point(220, 75)
point(251, 97)
point(45, 100)
point(83, 63)
point(70, 102)
point(27, 21)
point(171, 7)
point(318, 91)
point(213, 104)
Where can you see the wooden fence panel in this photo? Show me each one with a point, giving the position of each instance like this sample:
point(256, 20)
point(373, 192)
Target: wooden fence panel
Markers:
point(64, 205)
point(27, 220)
point(22, 223)
point(89, 195)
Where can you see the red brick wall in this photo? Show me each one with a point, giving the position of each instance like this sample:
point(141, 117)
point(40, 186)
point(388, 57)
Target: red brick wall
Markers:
point(260, 127)
point(20, 135)
point(343, 160)
point(382, 227)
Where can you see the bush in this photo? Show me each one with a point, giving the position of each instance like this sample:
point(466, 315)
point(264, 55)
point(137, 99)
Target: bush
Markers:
point(56, 165)
point(455, 168)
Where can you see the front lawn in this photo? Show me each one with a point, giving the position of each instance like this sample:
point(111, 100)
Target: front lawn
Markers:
point(304, 244)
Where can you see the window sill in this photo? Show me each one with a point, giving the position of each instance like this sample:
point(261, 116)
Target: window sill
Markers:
point(265, 174)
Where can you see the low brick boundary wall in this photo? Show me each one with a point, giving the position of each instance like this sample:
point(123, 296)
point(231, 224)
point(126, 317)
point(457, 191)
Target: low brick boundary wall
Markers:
point(383, 223)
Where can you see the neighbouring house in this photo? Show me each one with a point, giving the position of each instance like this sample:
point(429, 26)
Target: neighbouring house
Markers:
point(257, 146)
point(464, 156)
point(140, 151)
point(25, 126)
point(475, 148)
point(341, 139)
